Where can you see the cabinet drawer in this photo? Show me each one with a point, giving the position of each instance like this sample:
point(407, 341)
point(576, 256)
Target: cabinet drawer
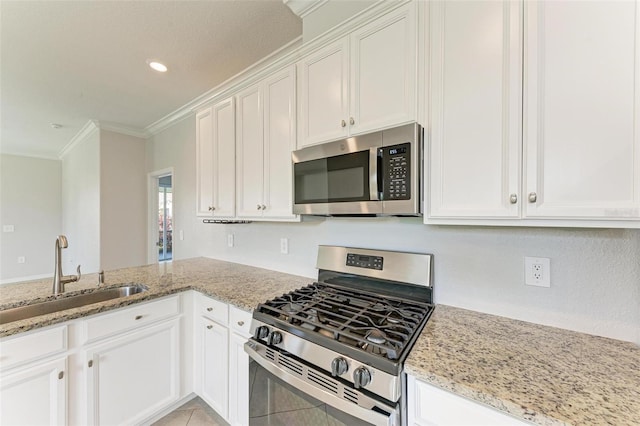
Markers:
point(32, 346)
point(213, 309)
point(239, 321)
point(131, 317)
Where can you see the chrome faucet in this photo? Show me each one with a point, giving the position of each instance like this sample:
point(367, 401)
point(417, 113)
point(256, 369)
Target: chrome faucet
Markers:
point(59, 280)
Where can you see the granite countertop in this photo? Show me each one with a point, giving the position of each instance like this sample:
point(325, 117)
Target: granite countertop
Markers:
point(240, 285)
point(546, 375)
point(543, 374)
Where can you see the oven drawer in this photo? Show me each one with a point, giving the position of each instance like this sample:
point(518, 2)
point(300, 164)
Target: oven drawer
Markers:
point(213, 309)
point(240, 321)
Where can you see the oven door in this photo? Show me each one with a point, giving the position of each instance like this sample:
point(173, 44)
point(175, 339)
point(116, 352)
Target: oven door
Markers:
point(284, 390)
point(338, 178)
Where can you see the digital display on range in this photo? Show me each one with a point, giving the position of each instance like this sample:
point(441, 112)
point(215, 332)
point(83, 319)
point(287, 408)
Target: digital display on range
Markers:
point(361, 261)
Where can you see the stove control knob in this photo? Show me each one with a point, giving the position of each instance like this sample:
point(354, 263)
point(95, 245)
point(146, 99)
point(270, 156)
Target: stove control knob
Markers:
point(361, 377)
point(275, 338)
point(262, 332)
point(339, 367)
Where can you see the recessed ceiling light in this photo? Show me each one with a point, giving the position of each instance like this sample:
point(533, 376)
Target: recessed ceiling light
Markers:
point(158, 66)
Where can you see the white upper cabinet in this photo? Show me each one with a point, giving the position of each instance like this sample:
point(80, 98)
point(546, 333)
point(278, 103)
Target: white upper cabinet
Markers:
point(556, 147)
point(215, 160)
point(265, 139)
point(475, 108)
point(362, 82)
point(582, 109)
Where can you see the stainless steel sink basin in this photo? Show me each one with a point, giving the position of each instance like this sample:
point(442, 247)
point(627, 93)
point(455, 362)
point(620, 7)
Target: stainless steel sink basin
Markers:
point(68, 302)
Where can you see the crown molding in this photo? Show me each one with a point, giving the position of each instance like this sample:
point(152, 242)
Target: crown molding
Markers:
point(39, 155)
point(224, 88)
point(122, 129)
point(88, 129)
point(303, 7)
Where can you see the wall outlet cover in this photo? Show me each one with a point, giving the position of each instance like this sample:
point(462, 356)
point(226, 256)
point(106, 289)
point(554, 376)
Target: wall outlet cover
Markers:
point(537, 271)
point(284, 245)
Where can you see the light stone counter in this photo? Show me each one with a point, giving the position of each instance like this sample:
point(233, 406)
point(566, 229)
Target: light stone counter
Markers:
point(240, 285)
point(543, 374)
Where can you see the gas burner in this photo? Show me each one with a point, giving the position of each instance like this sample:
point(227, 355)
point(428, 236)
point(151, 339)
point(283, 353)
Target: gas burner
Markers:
point(291, 308)
point(376, 336)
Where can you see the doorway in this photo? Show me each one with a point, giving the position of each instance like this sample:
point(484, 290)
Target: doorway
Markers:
point(165, 219)
point(160, 225)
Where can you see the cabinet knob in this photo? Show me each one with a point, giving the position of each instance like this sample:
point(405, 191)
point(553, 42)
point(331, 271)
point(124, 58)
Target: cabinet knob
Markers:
point(513, 198)
point(90, 363)
point(259, 207)
point(61, 375)
point(264, 207)
point(209, 327)
point(209, 309)
point(352, 121)
point(533, 197)
point(343, 123)
point(240, 323)
point(210, 208)
point(138, 317)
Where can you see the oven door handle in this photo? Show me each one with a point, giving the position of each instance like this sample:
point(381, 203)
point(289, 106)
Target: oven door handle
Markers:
point(368, 415)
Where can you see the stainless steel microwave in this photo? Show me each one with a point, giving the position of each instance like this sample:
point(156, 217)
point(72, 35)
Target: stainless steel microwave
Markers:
point(373, 174)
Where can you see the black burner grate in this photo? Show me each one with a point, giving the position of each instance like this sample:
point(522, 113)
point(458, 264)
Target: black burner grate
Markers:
point(380, 325)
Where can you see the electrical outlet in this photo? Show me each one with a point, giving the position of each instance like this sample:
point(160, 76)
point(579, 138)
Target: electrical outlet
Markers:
point(181, 234)
point(229, 240)
point(21, 259)
point(284, 245)
point(537, 271)
point(7, 228)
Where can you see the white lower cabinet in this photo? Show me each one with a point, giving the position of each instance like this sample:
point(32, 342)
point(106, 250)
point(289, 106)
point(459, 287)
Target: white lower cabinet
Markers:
point(131, 377)
point(222, 365)
point(431, 406)
point(214, 372)
point(35, 394)
point(238, 367)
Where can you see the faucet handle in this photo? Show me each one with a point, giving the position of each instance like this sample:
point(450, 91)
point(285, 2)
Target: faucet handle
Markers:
point(100, 278)
point(79, 274)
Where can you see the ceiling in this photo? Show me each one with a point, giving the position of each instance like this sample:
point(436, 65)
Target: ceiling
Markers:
point(68, 62)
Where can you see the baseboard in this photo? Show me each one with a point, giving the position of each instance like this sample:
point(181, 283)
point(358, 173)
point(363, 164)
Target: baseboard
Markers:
point(28, 278)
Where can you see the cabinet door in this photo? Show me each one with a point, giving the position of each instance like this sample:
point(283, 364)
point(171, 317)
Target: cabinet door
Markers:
point(249, 153)
point(279, 141)
point(239, 381)
point(582, 115)
point(132, 377)
point(432, 406)
point(215, 381)
point(224, 159)
point(473, 166)
point(322, 94)
point(383, 72)
point(204, 162)
point(35, 395)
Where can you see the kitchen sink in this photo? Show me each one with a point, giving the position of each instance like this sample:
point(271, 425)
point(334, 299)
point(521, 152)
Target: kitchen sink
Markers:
point(68, 302)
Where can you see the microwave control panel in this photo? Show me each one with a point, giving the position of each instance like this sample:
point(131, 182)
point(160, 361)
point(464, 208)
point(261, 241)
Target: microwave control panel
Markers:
point(396, 169)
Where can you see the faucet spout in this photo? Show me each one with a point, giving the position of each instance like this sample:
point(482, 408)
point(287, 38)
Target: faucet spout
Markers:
point(59, 279)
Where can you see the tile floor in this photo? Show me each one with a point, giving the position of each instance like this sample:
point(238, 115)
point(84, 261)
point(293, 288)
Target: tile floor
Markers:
point(194, 413)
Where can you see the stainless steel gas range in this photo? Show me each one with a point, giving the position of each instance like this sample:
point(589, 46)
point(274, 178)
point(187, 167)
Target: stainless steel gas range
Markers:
point(343, 339)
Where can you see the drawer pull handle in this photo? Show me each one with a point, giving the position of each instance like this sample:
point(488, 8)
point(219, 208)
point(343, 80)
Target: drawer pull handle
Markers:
point(240, 323)
point(90, 363)
point(138, 317)
point(209, 309)
point(61, 375)
point(209, 327)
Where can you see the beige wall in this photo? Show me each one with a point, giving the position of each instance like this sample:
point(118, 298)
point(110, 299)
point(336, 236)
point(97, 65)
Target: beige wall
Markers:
point(123, 201)
point(30, 200)
point(81, 205)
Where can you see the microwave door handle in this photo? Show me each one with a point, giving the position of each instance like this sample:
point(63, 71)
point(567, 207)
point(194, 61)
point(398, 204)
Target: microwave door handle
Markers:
point(374, 194)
